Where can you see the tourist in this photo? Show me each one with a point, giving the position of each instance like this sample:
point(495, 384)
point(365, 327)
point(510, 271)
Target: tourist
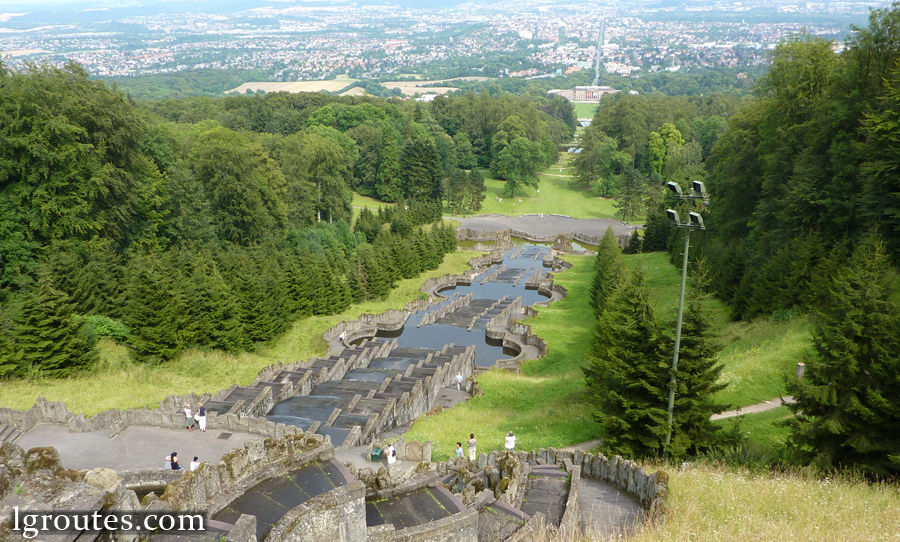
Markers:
point(201, 417)
point(459, 451)
point(459, 380)
point(174, 461)
point(194, 464)
point(188, 417)
point(391, 454)
point(471, 446)
point(342, 336)
point(510, 442)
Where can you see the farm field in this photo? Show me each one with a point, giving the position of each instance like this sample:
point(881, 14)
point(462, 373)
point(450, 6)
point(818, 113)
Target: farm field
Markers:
point(410, 88)
point(333, 85)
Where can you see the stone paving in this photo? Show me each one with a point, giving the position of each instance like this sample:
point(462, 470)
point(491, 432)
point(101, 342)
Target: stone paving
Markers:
point(137, 447)
point(604, 511)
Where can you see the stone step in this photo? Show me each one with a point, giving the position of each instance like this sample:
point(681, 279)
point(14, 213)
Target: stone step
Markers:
point(9, 433)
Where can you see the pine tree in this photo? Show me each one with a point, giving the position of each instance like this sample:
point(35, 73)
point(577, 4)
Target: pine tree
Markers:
point(47, 339)
point(848, 404)
point(628, 378)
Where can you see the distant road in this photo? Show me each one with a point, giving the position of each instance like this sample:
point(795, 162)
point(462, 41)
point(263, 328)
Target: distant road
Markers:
point(544, 224)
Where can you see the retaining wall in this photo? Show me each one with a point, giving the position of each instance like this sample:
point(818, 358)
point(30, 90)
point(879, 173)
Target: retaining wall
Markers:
point(338, 515)
point(469, 234)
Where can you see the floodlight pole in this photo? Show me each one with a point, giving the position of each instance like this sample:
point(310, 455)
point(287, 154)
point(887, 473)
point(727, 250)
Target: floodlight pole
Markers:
point(684, 263)
point(699, 194)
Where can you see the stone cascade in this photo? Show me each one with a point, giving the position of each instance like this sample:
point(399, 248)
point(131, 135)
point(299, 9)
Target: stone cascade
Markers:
point(498, 326)
point(553, 261)
point(534, 282)
point(444, 309)
point(494, 274)
point(393, 387)
point(521, 276)
point(489, 310)
point(467, 234)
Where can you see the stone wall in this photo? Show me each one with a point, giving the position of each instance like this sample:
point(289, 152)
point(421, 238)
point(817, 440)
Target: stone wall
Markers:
point(213, 487)
point(650, 489)
point(568, 525)
point(339, 516)
point(497, 327)
point(468, 234)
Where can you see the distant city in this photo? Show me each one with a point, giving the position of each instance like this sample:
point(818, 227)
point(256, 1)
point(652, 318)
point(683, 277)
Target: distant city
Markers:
point(314, 41)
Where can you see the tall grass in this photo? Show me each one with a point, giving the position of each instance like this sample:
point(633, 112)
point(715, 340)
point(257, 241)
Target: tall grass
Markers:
point(119, 383)
point(713, 503)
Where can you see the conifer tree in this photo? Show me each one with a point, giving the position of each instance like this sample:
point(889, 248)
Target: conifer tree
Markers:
point(354, 283)
point(153, 310)
point(212, 313)
point(387, 183)
point(372, 275)
point(656, 234)
point(300, 285)
point(697, 378)
point(848, 404)
point(609, 270)
point(47, 339)
point(635, 244)
point(628, 377)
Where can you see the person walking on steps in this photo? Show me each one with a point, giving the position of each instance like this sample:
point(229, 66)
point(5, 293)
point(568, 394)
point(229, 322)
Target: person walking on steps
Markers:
point(471, 446)
point(342, 336)
point(459, 380)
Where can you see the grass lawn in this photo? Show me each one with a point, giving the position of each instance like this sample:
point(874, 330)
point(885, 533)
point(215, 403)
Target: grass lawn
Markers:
point(757, 355)
point(585, 111)
point(544, 405)
point(761, 428)
point(118, 383)
point(557, 195)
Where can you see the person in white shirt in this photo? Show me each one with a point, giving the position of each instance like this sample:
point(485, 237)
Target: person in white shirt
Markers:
point(194, 464)
point(459, 380)
point(510, 441)
point(391, 454)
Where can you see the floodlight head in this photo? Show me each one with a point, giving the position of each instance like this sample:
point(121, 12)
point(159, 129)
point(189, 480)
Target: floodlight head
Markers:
point(700, 189)
point(673, 216)
point(696, 220)
point(675, 189)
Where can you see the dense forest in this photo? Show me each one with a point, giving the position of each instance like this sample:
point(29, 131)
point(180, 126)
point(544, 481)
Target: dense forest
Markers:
point(803, 218)
point(214, 223)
